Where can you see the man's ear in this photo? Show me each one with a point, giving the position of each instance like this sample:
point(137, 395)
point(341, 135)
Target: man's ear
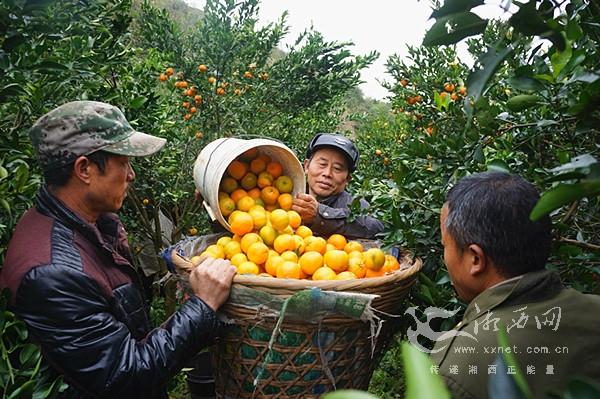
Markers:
point(349, 177)
point(82, 169)
point(478, 261)
point(306, 162)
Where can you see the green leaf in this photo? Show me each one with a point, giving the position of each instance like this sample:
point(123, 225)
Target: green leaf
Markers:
point(349, 394)
point(528, 20)
point(51, 66)
point(498, 165)
point(580, 388)
point(525, 83)
point(478, 79)
point(453, 28)
point(441, 101)
point(11, 90)
point(574, 31)
point(522, 102)
point(4, 203)
point(27, 352)
point(560, 59)
point(24, 391)
point(510, 359)
point(455, 6)
point(3, 173)
point(563, 194)
point(137, 102)
point(421, 382)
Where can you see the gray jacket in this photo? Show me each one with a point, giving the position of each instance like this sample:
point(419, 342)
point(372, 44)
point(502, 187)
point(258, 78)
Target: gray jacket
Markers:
point(332, 218)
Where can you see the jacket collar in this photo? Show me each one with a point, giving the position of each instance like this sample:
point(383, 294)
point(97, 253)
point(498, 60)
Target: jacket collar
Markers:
point(106, 228)
point(530, 287)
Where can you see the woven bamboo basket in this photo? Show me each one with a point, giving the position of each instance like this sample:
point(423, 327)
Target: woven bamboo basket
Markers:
point(307, 359)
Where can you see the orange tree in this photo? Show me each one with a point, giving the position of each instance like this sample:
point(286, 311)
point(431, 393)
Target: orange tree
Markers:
point(528, 107)
point(225, 78)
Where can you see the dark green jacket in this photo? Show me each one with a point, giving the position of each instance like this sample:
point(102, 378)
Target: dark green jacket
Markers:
point(554, 334)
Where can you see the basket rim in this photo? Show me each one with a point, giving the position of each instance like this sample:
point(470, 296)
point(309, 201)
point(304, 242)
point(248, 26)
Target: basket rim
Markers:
point(333, 285)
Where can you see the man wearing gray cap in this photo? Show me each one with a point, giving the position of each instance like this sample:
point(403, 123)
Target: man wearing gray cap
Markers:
point(330, 161)
point(70, 272)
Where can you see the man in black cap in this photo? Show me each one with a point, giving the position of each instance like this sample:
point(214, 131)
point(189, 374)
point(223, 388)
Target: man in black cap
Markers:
point(69, 268)
point(330, 161)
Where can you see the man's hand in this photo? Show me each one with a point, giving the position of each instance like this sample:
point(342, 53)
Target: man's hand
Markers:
point(211, 281)
point(307, 207)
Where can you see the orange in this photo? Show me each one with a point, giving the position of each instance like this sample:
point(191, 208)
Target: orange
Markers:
point(259, 217)
point(245, 203)
point(265, 158)
point(248, 240)
point(272, 263)
point(216, 251)
point(290, 256)
point(355, 254)
point(258, 253)
point(202, 68)
point(223, 194)
point(237, 169)
point(337, 240)
point(300, 245)
point(231, 249)
point(324, 273)
point(236, 238)
point(268, 234)
point(285, 201)
point(336, 259)
point(257, 165)
point(238, 194)
point(226, 206)
point(330, 247)
point(229, 184)
point(248, 268)
point(242, 224)
point(269, 194)
point(264, 179)
point(233, 215)
point(284, 242)
point(294, 219)
point(315, 244)
point(374, 273)
point(356, 266)
point(259, 201)
point(346, 276)
point(279, 219)
point(304, 231)
point(254, 193)
point(275, 169)
point(250, 154)
point(238, 259)
point(223, 241)
point(391, 264)
point(288, 270)
point(272, 253)
point(271, 207)
point(353, 246)
point(248, 182)
point(310, 261)
point(374, 259)
point(284, 184)
point(448, 87)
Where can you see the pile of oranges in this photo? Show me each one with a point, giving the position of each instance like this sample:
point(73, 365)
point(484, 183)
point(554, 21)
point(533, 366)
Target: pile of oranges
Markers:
point(268, 237)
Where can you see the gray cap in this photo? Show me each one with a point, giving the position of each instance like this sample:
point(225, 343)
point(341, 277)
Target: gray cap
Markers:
point(83, 127)
point(337, 141)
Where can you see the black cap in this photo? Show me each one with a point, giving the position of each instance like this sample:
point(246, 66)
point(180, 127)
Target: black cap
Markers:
point(336, 141)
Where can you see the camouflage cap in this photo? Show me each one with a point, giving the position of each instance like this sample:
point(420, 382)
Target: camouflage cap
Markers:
point(82, 127)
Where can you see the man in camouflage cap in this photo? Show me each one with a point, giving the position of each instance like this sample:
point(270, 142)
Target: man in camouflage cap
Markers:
point(70, 271)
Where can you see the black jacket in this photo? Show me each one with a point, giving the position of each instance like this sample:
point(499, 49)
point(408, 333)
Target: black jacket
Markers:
point(74, 286)
point(332, 217)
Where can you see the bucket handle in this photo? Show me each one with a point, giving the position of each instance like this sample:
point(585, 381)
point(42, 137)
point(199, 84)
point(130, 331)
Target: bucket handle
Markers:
point(209, 210)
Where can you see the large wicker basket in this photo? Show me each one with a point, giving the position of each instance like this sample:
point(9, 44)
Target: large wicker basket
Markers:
point(307, 359)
